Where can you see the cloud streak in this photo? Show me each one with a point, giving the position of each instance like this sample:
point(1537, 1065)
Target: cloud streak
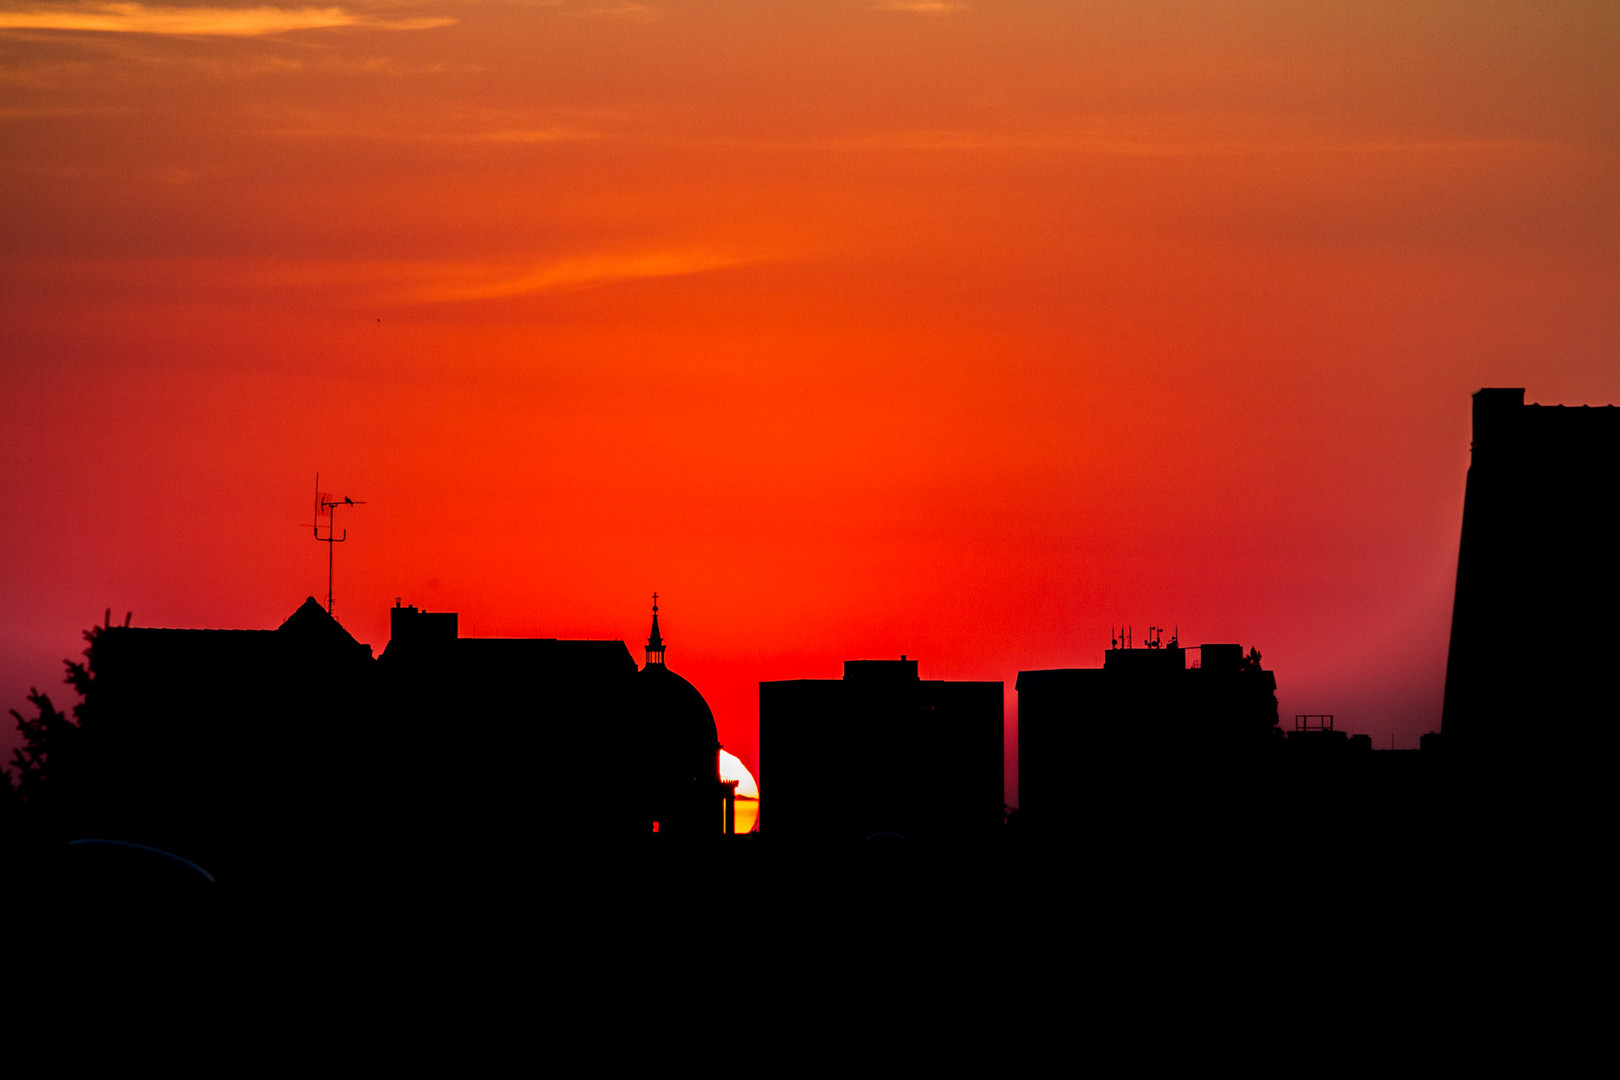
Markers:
point(920, 7)
point(464, 126)
point(390, 283)
point(1147, 140)
point(475, 283)
point(130, 18)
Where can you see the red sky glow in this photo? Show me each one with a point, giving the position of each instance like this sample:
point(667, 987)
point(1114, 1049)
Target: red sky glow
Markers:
point(959, 330)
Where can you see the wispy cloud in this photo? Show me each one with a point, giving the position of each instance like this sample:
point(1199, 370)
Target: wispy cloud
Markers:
point(128, 18)
point(615, 11)
point(382, 283)
point(451, 125)
point(529, 135)
point(56, 112)
point(920, 7)
point(1148, 139)
point(447, 284)
point(385, 132)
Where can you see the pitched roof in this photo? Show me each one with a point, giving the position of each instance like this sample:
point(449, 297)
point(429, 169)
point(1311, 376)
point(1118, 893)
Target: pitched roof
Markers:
point(313, 625)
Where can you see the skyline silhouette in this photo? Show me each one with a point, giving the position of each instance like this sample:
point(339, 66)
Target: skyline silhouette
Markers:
point(563, 753)
point(876, 754)
point(965, 332)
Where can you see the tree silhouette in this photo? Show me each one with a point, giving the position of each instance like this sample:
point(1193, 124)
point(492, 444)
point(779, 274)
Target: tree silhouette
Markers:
point(49, 735)
point(10, 801)
point(42, 735)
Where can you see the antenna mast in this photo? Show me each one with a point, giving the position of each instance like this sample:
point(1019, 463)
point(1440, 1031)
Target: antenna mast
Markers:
point(325, 505)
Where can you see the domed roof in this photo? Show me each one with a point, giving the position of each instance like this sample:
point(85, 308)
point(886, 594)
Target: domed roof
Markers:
point(676, 713)
point(680, 740)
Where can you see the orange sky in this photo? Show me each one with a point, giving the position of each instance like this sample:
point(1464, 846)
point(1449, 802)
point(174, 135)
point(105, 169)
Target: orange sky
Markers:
point(964, 331)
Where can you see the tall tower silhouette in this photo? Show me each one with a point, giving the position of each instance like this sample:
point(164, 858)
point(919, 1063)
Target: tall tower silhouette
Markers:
point(1536, 578)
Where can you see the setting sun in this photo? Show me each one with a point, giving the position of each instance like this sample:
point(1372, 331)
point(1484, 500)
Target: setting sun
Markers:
point(747, 791)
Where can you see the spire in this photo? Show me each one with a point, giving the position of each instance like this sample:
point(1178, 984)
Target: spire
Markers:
point(655, 640)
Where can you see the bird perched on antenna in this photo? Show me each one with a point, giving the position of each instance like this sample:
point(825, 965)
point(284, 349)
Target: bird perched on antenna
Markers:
point(324, 505)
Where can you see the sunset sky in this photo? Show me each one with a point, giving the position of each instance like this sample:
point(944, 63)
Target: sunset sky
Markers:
point(961, 330)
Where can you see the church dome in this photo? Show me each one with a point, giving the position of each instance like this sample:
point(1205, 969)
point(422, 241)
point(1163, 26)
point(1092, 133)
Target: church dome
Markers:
point(677, 711)
point(680, 741)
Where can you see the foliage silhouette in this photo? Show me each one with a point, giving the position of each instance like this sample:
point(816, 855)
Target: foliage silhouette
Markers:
point(41, 735)
point(50, 735)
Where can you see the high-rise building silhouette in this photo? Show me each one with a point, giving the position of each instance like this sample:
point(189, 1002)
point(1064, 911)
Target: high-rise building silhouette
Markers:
point(1538, 578)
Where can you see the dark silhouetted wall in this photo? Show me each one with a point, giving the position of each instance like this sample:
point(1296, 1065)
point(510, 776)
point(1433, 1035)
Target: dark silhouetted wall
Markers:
point(1094, 741)
point(880, 751)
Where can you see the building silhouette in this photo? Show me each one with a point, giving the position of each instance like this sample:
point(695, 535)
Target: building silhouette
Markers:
point(880, 753)
point(1143, 731)
point(260, 753)
point(237, 748)
point(566, 741)
point(1314, 733)
point(507, 733)
point(1537, 578)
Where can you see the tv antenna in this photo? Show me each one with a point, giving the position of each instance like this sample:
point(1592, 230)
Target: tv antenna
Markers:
point(326, 507)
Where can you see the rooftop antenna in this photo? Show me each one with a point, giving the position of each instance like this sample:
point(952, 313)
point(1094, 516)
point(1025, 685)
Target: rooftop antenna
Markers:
point(325, 504)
